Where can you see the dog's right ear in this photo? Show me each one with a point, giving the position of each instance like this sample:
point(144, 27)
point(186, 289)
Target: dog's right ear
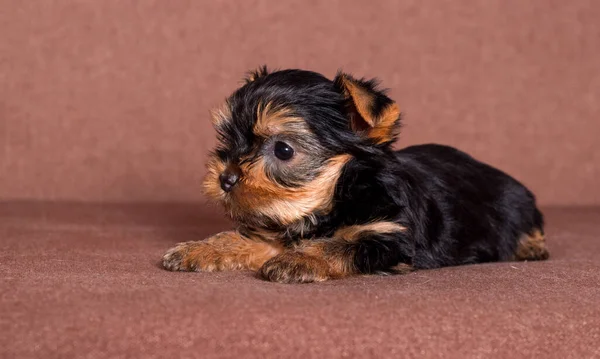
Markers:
point(371, 112)
point(251, 76)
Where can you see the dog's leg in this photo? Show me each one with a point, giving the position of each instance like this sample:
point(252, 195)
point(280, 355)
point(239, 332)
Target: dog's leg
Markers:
point(532, 247)
point(223, 251)
point(362, 249)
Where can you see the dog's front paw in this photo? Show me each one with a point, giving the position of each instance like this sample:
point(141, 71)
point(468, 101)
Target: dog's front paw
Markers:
point(294, 267)
point(191, 257)
point(178, 257)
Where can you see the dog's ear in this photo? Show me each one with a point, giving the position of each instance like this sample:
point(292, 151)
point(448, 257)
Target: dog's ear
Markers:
point(371, 113)
point(255, 74)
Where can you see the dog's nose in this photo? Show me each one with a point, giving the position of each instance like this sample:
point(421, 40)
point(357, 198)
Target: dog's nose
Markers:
point(229, 178)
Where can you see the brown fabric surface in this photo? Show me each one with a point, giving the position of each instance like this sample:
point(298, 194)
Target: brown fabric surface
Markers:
point(82, 281)
point(108, 100)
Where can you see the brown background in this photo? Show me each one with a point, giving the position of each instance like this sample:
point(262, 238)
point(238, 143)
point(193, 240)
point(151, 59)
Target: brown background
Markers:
point(108, 100)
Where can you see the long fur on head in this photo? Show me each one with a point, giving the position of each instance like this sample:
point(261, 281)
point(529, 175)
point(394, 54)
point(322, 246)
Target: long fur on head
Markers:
point(326, 122)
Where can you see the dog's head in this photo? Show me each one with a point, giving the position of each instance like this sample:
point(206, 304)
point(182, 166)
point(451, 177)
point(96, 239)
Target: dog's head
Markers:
point(284, 138)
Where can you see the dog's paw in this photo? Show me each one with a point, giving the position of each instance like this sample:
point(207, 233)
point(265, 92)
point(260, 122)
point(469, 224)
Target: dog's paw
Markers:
point(178, 257)
point(193, 257)
point(532, 247)
point(294, 267)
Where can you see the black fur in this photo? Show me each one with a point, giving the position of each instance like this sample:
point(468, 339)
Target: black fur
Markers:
point(456, 209)
point(378, 252)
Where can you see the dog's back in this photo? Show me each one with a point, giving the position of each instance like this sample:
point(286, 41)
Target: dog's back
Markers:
point(484, 214)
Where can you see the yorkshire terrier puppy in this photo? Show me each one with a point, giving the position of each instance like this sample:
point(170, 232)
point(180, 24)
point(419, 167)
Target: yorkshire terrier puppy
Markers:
point(306, 169)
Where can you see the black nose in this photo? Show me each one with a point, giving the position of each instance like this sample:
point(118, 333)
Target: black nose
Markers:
point(229, 178)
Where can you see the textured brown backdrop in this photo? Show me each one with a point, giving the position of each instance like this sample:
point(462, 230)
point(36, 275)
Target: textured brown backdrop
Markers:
point(108, 100)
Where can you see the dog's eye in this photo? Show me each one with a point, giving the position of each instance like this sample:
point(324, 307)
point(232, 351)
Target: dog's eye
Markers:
point(283, 151)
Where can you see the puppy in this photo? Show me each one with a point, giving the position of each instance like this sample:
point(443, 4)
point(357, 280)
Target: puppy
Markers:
point(306, 169)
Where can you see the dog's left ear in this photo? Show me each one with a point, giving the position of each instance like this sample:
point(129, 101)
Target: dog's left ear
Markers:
point(371, 113)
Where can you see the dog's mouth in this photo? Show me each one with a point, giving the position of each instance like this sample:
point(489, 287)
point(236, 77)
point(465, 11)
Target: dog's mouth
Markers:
point(244, 212)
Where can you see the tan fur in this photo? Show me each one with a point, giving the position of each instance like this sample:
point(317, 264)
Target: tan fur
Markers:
point(532, 247)
point(385, 130)
point(251, 76)
point(290, 204)
point(221, 115)
point(351, 233)
point(334, 252)
point(381, 128)
point(271, 121)
point(337, 251)
point(223, 251)
point(295, 267)
point(258, 194)
point(402, 268)
point(361, 98)
point(212, 188)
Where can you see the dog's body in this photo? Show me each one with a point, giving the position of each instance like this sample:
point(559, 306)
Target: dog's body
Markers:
point(457, 210)
point(306, 168)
